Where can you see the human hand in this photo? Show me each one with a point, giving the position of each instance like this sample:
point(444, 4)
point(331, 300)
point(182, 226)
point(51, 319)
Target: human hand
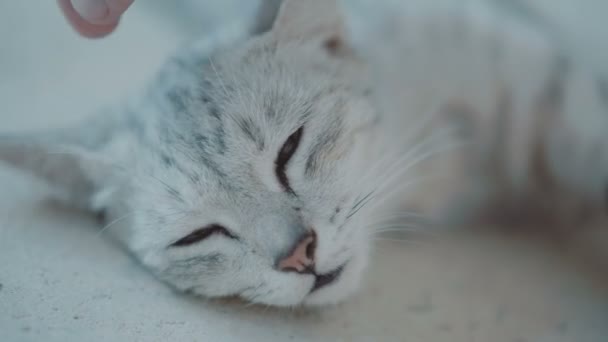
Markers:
point(94, 18)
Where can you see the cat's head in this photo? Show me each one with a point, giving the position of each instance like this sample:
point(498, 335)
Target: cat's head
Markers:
point(242, 172)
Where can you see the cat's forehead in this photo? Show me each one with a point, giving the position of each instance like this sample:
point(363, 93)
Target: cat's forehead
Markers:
point(260, 94)
point(226, 116)
point(275, 84)
point(261, 87)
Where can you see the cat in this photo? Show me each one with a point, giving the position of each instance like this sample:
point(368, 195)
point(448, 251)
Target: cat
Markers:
point(256, 163)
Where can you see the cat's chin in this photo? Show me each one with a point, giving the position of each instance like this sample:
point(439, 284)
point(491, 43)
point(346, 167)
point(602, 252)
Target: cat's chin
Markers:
point(337, 292)
point(344, 287)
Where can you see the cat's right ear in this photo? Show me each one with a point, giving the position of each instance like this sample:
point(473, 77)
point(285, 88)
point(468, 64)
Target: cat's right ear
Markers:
point(314, 20)
point(79, 162)
point(265, 16)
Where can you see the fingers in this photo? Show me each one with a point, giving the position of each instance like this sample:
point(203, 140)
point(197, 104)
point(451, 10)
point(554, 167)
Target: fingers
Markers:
point(94, 18)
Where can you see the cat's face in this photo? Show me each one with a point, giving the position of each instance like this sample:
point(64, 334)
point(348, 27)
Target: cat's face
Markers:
point(256, 176)
point(246, 171)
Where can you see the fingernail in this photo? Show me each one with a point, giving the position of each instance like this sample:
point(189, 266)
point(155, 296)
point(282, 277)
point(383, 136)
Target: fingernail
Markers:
point(91, 10)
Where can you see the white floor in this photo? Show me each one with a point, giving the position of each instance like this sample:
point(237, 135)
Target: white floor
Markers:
point(61, 281)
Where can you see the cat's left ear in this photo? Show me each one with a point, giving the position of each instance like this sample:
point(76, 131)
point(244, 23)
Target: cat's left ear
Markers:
point(312, 20)
point(79, 162)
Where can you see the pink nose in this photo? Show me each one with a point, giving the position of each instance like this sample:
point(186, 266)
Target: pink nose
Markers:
point(302, 257)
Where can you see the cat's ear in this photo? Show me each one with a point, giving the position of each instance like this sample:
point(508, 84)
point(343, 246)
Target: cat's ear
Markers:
point(265, 16)
point(316, 20)
point(79, 161)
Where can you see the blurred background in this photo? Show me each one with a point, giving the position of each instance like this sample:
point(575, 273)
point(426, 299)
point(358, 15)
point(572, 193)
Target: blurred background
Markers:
point(61, 281)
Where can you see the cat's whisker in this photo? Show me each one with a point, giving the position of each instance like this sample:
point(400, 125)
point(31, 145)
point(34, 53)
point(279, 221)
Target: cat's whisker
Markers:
point(405, 225)
point(170, 189)
point(385, 167)
point(400, 216)
point(384, 163)
point(219, 78)
point(179, 212)
point(392, 225)
point(396, 220)
point(402, 231)
point(390, 159)
point(406, 213)
point(407, 231)
point(130, 214)
point(408, 167)
point(360, 200)
point(360, 203)
point(410, 159)
point(417, 153)
point(401, 159)
point(397, 226)
point(251, 301)
point(384, 197)
point(408, 242)
point(427, 117)
point(114, 222)
point(398, 231)
point(414, 181)
point(250, 298)
point(432, 152)
point(66, 153)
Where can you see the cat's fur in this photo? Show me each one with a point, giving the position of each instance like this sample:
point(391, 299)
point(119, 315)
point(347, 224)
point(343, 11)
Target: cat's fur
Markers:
point(199, 146)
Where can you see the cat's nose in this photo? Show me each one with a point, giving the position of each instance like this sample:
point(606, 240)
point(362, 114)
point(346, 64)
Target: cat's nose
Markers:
point(301, 259)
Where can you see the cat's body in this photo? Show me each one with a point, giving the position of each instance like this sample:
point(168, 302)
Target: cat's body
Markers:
point(532, 118)
point(254, 166)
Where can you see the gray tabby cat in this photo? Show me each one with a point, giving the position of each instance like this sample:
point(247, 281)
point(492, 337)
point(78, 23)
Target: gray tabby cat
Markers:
point(252, 166)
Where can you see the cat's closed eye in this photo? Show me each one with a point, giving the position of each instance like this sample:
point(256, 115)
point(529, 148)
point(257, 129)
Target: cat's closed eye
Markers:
point(285, 155)
point(202, 234)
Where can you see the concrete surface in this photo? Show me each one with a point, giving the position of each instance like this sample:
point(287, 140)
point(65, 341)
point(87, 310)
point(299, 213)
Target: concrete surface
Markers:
point(62, 281)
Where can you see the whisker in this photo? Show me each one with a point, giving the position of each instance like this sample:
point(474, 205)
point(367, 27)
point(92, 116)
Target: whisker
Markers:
point(398, 232)
point(122, 218)
point(404, 158)
point(407, 233)
point(412, 158)
point(402, 187)
point(400, 216)
point(407, 161)
point(219, 79)
point(114, 222)
point(360, 204)
point(409, 229)
point(386, 195)
point(405, 227)
point(401, 241)
point(355, 210)
point(172, 191)
point(426, 119)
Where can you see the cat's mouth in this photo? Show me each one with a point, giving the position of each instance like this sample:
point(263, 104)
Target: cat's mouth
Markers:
point(323, 280)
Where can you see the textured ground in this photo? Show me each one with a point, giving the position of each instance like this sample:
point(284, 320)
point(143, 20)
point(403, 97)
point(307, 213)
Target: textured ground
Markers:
point(61, 281)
